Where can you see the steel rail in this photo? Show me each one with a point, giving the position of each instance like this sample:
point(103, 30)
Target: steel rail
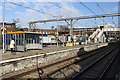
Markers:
point(89, 66)
point(49, 74)
point(100, 78)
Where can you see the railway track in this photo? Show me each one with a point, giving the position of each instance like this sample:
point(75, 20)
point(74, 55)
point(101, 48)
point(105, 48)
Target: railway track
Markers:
point(97, 69)
point(74, 64)
point(50, 70)
point(65, 71)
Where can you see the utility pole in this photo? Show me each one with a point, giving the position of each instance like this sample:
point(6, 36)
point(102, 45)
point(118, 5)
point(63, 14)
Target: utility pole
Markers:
point(3, 29)
point(57, 27)
point(57, 31)
point(30, 25)
point(71, 30)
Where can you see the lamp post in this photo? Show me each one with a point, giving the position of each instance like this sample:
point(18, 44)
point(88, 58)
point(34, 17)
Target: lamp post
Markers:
point(57, 27)
point(3, 29)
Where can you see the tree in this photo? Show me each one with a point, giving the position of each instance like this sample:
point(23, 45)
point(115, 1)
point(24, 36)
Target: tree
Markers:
point(34, 27)
point(20, 29)
point(16, 21)
point(52, 27)
point(17, 25)
point(63, 29)
point(52, 33)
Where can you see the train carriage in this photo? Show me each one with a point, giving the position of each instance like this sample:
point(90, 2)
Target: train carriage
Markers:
point(24, 40)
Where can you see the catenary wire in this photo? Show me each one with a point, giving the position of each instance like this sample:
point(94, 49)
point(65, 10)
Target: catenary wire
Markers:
point(29, 8)
point(104, 12)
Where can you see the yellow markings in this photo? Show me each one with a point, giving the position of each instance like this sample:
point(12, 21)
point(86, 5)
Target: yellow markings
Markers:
point(18, 32)
point(69, 44)
point(8, 32)
point(14, 32)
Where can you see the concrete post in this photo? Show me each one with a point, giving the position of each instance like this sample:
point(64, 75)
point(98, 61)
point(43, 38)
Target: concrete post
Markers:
point(63, 40)
point(71, 30)
point(29, 27)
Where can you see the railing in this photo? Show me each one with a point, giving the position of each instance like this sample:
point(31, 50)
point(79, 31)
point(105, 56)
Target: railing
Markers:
point(112, 29)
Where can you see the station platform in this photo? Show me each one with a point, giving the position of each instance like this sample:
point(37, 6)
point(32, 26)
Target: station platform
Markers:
point(9, 55)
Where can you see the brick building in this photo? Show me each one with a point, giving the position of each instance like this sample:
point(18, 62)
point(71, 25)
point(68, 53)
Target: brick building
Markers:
point(76, 31)
point(82, 31)
point(8, 26)
point(43, 31)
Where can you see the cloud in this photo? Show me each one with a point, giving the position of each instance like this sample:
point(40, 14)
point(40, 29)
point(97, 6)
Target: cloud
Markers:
point(112, 10)
point(30, 15)
point(0, 7)
point(27, 15)
point(64, 0)
point(9, 6)
point(115, 9)
point(68, 10)
point(0, 13)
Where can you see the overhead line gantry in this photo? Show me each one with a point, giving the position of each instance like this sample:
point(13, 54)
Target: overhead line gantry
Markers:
point(75, 18)
point(71, 20)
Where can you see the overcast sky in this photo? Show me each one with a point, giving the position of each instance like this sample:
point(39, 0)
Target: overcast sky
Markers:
point(58, 8)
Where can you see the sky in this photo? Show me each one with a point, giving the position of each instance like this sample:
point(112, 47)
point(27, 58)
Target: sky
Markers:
point(64, 9)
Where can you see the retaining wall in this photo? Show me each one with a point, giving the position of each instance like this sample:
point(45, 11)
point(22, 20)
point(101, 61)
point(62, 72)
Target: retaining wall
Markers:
point(21, 63)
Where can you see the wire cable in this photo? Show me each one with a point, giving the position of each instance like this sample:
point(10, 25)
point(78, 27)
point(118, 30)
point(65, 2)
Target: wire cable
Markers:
point(59, 6)
point(89, 9)
point(100, 7)
point(105, 12)
point(29, 8)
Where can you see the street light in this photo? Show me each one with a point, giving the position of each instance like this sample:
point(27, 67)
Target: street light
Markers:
point(57, 27)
